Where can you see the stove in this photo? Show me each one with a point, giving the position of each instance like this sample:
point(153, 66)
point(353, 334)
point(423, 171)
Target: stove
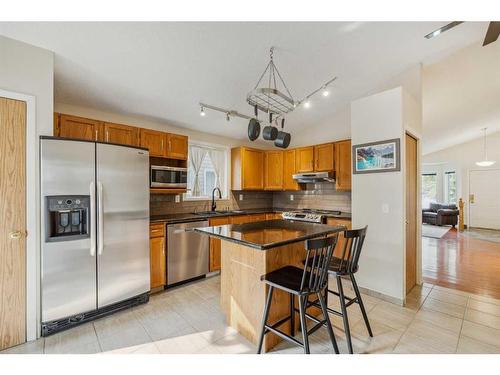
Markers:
point(309, 215)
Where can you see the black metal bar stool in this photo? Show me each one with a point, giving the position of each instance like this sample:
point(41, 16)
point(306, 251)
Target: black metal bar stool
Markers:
point(311, 280)
point(347, 266)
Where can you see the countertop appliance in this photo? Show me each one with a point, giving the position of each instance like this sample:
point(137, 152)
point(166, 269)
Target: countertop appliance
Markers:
point(187, 256)
point(95, 230)
point(310, 215)
point(168, 177)
point(313, 177)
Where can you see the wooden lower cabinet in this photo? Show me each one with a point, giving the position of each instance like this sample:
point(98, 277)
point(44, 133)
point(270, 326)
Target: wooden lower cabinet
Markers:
point(158, 259)
point(215, 260)
point(340, 243)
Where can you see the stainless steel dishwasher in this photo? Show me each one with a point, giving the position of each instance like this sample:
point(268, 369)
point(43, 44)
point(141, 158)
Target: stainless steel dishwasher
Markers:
point(187, 252)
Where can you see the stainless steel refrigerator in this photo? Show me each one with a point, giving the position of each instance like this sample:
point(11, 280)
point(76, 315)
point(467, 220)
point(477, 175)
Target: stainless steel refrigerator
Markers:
point(95, 230)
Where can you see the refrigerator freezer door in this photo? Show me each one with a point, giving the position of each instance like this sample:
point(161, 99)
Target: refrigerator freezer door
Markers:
point(123, 223)
point(68, 271)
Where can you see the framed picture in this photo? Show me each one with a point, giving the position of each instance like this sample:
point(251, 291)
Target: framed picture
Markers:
point(376, 157)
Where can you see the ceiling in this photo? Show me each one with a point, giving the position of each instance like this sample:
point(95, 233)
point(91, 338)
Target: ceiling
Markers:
point(163, 70)
point(461, 95)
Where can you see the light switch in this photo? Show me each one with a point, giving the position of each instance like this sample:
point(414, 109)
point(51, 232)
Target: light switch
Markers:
point(291, 197)
point(241, 197)
point(385, 208)
point(177, 198)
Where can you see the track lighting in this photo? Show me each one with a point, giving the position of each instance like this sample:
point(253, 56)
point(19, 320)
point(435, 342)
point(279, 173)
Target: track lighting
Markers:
point(307, 104)
point(325, 92)
point(227, 116)
point(202, 112)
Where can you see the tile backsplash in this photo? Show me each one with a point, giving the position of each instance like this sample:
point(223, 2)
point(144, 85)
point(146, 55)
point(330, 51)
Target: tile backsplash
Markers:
point(320, 196)
point(161, 204)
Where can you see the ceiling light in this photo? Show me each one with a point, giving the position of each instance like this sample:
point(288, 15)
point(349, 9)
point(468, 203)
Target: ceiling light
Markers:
point(485, 162)
point(202, 112)
point(307, 104)
point(326, 92)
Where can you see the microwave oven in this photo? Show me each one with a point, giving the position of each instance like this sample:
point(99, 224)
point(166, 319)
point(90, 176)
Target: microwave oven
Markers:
point(168, 177)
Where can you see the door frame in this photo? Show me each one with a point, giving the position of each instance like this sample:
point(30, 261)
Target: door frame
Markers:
point(32, 216)
point(467, 221)
point(415, 135)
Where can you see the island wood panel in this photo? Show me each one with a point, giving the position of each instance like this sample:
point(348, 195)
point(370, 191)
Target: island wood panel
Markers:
point(324, 157)
point(243, 294)
point(304, 159)
point(12, 220)
point(343, 165)
point(121, 134)
point(289, 169)
point(273, 170)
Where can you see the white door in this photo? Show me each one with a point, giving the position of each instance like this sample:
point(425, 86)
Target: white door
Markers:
point(484, 198)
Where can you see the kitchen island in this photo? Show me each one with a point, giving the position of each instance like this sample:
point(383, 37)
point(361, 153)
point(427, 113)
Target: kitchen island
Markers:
point(251, 250)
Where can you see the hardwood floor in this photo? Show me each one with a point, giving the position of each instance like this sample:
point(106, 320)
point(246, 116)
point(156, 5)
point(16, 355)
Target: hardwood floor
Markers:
point(460, 262)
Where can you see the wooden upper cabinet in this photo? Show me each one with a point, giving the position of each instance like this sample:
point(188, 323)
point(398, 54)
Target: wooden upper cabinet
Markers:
point(343, 165)
point(324, 157)
point(247, 169)
point(77, 128)
point(273, 170)
point(121, 134)
point(304, 159)
point(177, 146)
point(289, 169)
point(155, 141)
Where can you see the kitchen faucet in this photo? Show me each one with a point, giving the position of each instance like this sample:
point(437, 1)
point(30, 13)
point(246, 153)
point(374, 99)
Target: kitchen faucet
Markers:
point(214, 205)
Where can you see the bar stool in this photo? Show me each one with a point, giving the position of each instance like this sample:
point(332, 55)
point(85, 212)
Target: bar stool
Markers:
point(347, 266)
point(311, 280)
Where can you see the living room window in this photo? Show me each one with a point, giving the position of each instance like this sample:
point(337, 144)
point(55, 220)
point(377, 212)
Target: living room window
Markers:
point(429, 189)
point(450, 187)
point(208, 167)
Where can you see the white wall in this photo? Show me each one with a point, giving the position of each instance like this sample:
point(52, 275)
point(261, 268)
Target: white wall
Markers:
point(29, 70)
point(382, 116)
point(462, 158)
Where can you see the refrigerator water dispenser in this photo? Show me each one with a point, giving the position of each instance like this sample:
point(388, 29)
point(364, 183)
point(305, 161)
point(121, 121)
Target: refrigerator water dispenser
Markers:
point(67, 217)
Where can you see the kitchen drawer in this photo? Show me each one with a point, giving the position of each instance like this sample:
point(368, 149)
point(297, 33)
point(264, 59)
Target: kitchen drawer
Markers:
point(156, 230)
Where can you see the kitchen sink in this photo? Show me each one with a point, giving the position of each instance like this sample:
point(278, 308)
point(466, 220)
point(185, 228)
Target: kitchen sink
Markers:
point(210, 213)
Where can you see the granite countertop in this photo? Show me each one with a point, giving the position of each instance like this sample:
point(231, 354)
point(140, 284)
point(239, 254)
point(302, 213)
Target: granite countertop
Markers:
point(265, 235)
point(187, 217)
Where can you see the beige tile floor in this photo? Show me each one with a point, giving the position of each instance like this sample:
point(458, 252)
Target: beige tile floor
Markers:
point(187, 319)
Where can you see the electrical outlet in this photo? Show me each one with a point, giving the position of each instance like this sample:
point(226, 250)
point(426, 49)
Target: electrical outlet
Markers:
point(177, 198)
point(385, 208)
point(291, 197)
point(241, 197)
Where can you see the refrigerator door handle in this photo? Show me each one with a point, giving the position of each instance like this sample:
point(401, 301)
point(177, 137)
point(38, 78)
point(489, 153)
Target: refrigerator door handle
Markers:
point(100, 220)
point(93, 217)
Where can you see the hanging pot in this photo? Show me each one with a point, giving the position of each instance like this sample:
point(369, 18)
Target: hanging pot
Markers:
point(254, 127)
point(270, 133)
point(283, 139)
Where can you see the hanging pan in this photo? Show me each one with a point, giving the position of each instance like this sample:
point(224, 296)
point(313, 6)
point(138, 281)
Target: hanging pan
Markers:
point(270, 133)
point(254, 127)
point(283, 139)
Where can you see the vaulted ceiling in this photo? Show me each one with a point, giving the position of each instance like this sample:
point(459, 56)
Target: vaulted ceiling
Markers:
point(163, 70)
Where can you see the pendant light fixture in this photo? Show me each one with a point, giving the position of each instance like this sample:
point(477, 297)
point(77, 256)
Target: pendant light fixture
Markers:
point(485, 162)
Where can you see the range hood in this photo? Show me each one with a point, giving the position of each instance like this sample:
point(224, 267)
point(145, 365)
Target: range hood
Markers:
point(313, 177)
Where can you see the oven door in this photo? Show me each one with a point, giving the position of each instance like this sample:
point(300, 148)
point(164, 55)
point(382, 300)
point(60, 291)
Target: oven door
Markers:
point(168, 177)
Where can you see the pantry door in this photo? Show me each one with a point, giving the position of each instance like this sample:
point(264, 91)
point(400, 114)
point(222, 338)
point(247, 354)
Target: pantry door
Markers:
point(12, 222)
